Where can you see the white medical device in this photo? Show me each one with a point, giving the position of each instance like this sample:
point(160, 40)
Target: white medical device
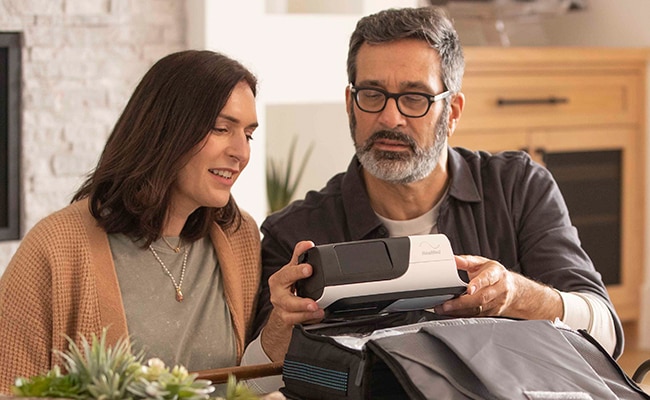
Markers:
point(376, 276)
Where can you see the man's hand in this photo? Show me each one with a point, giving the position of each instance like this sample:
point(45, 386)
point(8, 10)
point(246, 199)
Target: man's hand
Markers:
point(288, 309)
point(495, 291)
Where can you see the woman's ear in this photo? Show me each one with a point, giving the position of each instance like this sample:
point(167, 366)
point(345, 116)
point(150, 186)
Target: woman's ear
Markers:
point(457, 105)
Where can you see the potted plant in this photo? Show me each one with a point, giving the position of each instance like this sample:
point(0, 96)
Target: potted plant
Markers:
point(281, 183)
point(98, 371)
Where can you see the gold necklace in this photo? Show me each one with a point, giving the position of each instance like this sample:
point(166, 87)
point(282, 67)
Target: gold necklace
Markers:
point(177, 286)
point(176, 249)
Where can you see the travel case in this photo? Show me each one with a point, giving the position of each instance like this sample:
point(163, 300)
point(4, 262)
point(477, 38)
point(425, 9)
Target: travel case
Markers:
point(418, 355)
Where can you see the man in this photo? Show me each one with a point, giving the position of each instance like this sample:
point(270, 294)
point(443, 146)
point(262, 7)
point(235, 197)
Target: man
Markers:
point(405, 68)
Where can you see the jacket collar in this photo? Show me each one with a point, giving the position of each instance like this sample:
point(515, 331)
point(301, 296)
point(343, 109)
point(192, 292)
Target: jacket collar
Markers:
point(462, 185)
point(109, 296)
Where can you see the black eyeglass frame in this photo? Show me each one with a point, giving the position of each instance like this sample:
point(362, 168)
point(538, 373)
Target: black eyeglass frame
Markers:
point(388, 95)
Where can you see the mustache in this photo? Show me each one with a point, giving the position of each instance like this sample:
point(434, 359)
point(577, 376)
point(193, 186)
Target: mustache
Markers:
point(391, 135)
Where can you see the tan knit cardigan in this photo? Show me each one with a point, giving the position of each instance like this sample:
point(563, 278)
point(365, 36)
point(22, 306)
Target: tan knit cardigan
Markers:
point(62, 281)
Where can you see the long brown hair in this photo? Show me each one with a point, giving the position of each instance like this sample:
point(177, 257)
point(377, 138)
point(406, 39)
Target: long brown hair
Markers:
point(171, 110)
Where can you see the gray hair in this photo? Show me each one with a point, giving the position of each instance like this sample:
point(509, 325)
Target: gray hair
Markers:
point(429, 24)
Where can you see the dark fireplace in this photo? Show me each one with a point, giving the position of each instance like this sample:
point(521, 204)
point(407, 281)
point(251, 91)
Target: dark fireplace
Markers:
point(10, 89)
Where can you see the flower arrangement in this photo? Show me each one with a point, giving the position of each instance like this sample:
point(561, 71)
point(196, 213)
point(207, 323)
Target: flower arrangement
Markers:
point(96, 371)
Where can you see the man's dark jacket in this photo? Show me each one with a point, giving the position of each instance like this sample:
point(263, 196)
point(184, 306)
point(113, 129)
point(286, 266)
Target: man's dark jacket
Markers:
point(503, 206)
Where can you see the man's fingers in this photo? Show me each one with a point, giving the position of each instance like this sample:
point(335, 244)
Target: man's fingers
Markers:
point(289, 274)
point(300, 248)
point(301, 318)
point(293, 310)
point(288, 307)
point(294, 304)
point(487, 277)
point(470, 263)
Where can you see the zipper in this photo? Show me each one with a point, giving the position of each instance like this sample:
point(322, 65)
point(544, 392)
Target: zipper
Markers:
point(358, 380)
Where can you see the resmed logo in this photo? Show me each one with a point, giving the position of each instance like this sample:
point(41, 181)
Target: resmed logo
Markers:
point(430, 249)
point(431, 252)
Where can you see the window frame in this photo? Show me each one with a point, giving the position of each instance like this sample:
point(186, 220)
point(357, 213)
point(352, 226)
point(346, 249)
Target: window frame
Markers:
point(11, 135)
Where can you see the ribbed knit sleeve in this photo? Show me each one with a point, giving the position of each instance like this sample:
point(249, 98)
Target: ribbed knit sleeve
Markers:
point(47, 291)
point(25, 311)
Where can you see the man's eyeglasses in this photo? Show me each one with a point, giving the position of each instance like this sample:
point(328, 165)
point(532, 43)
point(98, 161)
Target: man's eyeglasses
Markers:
point(409, 104)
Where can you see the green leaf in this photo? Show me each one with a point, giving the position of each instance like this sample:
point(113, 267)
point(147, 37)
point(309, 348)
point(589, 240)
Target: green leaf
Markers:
point(50, 385)
point(281, 184)
point(238, 391)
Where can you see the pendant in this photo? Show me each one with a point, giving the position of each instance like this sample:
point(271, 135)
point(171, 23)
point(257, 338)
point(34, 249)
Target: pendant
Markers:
point(179, 295)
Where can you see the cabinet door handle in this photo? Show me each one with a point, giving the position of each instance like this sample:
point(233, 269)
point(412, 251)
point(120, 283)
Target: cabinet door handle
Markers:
point(518, 102)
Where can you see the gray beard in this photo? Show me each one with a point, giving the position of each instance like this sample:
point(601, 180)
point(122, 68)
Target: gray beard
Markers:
point(401, 167)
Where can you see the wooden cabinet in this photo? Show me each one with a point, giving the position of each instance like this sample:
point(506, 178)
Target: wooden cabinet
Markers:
point(581, 112)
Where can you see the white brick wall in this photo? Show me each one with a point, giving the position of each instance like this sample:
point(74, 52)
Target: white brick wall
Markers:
point(81, 61)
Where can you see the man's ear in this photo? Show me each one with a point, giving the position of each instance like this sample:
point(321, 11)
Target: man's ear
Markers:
point(348, 100)
point(457, 105)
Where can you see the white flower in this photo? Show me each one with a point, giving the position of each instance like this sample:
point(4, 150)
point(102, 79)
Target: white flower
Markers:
point(180, 372)
point(154, 369)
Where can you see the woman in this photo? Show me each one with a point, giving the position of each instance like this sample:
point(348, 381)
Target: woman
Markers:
point(153, 245)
